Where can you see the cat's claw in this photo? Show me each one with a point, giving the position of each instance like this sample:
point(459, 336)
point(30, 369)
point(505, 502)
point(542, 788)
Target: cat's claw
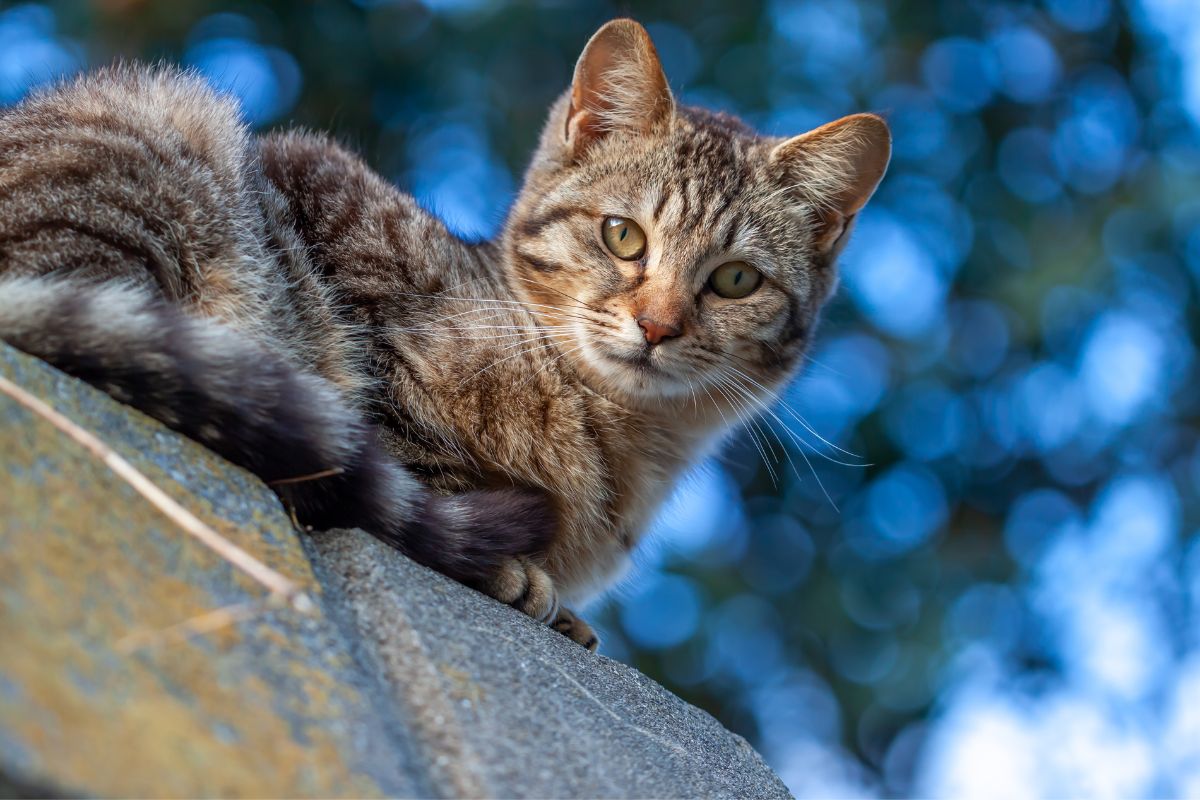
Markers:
point(524, 585)
point(575, 629)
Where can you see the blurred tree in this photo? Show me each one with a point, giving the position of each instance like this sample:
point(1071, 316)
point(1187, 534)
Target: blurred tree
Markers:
point(956, 558)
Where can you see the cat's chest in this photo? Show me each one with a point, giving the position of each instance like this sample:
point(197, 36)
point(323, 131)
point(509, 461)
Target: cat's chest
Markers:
point(514, 414)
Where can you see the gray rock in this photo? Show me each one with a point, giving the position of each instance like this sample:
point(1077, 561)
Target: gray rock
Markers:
point(400, 682)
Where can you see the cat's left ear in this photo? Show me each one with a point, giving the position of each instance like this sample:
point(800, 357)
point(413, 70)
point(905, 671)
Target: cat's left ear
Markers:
point(836, 167)
point(619, 85)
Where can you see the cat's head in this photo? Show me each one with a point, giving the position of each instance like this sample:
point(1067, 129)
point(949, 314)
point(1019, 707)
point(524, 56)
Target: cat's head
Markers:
point(671, 249)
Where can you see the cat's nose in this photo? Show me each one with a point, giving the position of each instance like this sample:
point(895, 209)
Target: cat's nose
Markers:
point(657, 331)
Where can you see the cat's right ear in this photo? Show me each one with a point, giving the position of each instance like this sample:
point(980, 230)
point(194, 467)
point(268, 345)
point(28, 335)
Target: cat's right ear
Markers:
point(619, 85)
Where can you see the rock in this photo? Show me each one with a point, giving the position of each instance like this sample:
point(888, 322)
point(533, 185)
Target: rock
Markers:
point(399, 682)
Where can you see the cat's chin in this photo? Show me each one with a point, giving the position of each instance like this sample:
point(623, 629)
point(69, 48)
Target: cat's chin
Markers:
point(634, 376)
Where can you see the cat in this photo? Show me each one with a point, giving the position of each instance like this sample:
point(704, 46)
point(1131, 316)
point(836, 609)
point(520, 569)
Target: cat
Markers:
point(509, 412)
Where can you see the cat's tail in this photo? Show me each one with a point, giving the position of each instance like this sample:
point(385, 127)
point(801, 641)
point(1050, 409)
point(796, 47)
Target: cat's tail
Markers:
point(287, 425)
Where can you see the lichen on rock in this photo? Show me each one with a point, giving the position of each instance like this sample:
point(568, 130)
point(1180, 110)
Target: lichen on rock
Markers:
point(399, 683)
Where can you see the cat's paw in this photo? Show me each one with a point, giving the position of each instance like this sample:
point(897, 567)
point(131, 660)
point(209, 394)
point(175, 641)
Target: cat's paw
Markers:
point(525, 586)
point(575, 629)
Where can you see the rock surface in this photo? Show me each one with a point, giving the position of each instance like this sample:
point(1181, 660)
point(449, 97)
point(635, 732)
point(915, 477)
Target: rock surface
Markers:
point(399, 683)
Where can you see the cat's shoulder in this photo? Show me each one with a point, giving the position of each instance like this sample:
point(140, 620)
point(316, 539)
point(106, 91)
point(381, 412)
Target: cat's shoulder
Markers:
point(322, 178)
point(289, 153)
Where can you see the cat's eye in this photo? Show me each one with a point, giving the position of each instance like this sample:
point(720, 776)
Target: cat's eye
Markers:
point(734, 280)
point(624, 238)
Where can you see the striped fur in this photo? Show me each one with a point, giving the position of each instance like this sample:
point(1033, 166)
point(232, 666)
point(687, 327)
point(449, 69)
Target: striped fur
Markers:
point(493, 407)
point(134, 255)
point(280, 421)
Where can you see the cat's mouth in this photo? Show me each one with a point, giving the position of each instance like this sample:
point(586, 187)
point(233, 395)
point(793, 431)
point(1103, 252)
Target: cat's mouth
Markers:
point(640, 360)
point(639, 372)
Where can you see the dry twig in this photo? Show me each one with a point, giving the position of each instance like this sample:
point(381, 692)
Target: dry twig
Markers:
point(274, 582)
point(199, 625)
point(312, 476)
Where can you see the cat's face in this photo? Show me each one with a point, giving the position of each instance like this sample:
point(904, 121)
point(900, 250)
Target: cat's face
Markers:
point(672, 252)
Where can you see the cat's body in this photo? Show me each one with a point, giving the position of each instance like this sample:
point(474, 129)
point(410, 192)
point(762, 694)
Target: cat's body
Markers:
point(509, 410)
point(276, 300)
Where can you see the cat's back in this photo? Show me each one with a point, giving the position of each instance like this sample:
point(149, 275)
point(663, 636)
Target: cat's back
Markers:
point(131, 164)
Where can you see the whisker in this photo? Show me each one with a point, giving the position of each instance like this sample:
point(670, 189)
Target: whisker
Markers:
point(799, 449)
point(530, 328)
point(498, 312)
point(762, 406)
point(535, 348)
point(551, 310)
point(786, 450)
point(716, 405)
point(550, 335)
point(581, 303)
point(502, 302)
point(552, 362)
point(782, 404)
point(751, 430)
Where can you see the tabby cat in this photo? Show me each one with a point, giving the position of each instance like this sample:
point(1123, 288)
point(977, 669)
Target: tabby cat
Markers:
point(511, 412)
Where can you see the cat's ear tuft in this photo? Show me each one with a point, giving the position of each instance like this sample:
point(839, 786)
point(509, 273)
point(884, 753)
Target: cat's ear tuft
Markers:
point(837, 168)
point(619, 85)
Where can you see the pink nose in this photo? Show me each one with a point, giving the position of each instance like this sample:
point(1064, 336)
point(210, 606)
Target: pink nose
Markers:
point(656, 331)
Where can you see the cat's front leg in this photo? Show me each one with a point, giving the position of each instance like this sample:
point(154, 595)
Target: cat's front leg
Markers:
point(524, 585)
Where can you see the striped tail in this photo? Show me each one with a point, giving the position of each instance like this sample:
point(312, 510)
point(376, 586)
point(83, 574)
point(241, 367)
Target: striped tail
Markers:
point(257, 410)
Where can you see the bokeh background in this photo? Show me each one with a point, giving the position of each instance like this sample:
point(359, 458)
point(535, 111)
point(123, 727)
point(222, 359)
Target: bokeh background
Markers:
point(959, 558)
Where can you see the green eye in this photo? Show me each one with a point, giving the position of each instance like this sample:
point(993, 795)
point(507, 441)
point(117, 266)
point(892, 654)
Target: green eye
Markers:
point(624, 238)
point(734, 280)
